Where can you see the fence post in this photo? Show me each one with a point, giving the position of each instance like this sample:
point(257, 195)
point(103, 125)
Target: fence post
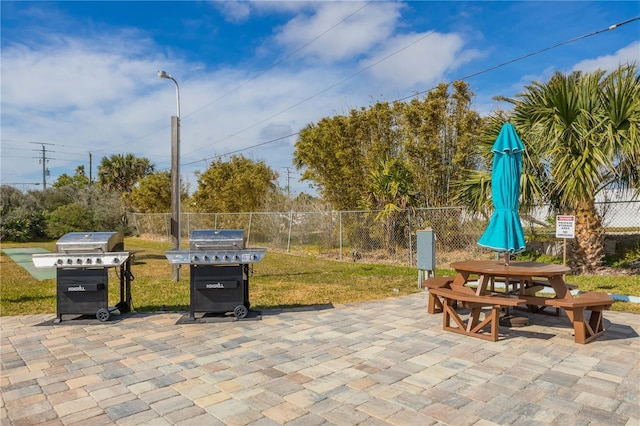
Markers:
point(188, 224)
point(410, 238)
point(249, 231)
point(289, 237)
point(340, 232)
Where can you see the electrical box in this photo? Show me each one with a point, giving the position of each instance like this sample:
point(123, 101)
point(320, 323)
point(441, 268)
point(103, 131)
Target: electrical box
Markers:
point(426, 254)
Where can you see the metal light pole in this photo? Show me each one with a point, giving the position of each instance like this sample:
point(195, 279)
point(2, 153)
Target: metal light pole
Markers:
point(175, 177)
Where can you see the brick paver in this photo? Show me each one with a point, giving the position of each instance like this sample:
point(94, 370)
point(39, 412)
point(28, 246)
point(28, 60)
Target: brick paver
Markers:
point(378, 362)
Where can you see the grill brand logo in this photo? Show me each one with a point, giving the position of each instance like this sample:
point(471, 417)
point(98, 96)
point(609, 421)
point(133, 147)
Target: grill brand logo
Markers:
point(76, 288)
point(215, 285)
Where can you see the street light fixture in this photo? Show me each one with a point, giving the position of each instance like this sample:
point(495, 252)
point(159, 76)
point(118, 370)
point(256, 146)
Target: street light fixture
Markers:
point(175, 176)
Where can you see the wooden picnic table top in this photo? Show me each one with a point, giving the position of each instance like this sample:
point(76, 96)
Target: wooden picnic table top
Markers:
point(514, 269)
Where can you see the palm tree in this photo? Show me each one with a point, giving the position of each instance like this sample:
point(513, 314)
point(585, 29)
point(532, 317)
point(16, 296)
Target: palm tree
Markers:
point(391, 192)
point(121, 172)
point(581, 135)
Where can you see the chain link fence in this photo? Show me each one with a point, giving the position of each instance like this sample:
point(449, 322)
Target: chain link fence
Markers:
point(368, 237)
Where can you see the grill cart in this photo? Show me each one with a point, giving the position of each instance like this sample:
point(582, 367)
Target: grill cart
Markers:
point(219, 268)
point(82, 261)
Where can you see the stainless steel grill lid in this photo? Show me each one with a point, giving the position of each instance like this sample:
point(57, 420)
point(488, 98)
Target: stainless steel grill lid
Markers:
point(216, 247)
point(217, 239)
point(85, 250)
point(90, 242)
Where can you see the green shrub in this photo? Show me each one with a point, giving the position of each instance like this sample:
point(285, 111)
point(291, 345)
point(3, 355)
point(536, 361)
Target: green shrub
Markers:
point(22, 224)
point(72, 217)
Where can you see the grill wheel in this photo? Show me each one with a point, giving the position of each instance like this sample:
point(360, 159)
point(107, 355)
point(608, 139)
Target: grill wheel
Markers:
point(240, 311)
point(103, 315)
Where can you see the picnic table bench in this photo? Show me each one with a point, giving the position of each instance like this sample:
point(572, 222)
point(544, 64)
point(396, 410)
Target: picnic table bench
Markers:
point(472, 326)
point(575, 307)
point(434, 304)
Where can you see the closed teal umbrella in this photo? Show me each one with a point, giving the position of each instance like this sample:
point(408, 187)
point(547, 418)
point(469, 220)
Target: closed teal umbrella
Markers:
point(504, 233)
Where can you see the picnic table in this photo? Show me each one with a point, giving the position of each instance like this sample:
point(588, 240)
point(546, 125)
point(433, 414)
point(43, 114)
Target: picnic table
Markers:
point(522, 280)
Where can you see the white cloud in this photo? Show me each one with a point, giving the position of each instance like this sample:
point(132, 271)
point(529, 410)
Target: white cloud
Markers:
point(357, 35)
point(418, 59)
point(234, 11)
point(628, 54)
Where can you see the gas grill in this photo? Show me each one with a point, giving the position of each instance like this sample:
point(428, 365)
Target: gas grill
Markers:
point(82, 261)
point(219, 269)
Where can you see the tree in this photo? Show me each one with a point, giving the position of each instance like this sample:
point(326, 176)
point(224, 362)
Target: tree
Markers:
point(333, 157)
point(78, 180)
point(121, 172)
point(152, 194)
point(581, 136)
point(440, 141)
point(238, 185)
point(434, 138)
point(391, 193)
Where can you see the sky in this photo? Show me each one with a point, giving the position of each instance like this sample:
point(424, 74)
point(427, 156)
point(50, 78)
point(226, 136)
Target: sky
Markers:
point(79, 78)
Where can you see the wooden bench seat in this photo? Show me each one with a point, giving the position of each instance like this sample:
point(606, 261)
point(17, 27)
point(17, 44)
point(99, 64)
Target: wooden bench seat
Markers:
point(472, 326)
point(434, 304)
point(585, 330)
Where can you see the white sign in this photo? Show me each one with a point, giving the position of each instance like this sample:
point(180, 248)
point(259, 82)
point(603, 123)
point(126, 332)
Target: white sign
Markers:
point(565, 226)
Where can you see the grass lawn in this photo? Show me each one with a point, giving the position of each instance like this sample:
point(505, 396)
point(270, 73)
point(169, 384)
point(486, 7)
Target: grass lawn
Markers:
point(279, 281)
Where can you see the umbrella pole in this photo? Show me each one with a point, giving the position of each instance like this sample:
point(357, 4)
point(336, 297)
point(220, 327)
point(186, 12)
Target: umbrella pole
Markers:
point(507, 257)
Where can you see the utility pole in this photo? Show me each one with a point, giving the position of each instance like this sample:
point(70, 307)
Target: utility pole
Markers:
point(90, 169)
point(44, 160)
point(288, 187)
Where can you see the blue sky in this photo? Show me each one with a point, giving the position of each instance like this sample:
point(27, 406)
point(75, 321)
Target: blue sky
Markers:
point(79, 78)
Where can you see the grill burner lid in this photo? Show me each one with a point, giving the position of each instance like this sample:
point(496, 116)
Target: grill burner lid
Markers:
point(216, 247)
point(90, 242)
point(85, 250)
point(217, 239)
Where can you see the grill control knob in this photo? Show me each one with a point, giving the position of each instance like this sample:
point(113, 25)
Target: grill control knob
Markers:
point(206, 258)
point(254, 257)
point(88, 262)
point(69, 262)
point(98, 261)
point(79, 261)
point(225, 257)
point(194, 259)
point(115, 260)
point(215, 257)
point(236, 257)
point(59, 262)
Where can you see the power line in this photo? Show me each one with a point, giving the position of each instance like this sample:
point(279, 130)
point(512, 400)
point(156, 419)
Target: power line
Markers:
point(255, 76)
point(360, 71)
point(528, 55)
point(609, 28)
point(278, 62)
point(241, 149)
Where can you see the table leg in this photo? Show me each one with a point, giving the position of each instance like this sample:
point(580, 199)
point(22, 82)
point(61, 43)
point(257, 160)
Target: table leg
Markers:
point(483, 283)
point(560, 287)
point(461, 279)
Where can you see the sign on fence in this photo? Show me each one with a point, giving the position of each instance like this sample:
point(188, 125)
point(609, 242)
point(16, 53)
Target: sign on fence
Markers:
point(565, 226)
